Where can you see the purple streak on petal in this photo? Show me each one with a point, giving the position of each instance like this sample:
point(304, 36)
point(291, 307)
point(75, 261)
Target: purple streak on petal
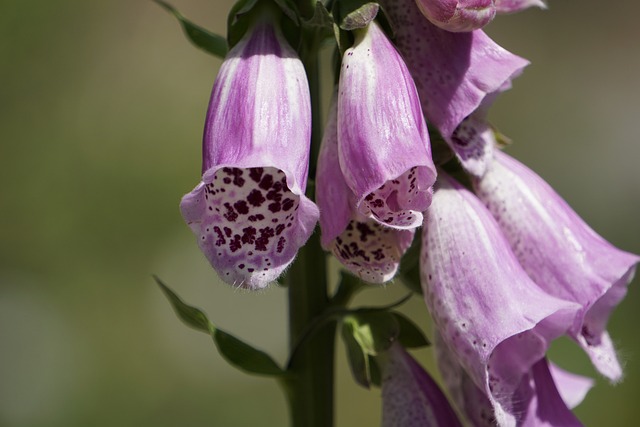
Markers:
point(368, 249)
point(249, 212)
point(573, 388)
point(495, 319)
point(560, 252)
point(512, 6)
point(410, 397)
point(382, 136)
point(458, 15)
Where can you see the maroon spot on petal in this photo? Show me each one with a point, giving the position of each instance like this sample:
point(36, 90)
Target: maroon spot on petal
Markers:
point(256, 173)
point(274, 195)
point(240, 266)
point(237, 181)
point(249, 235)
point(275, 207)
point(266, 182)
point(226, 180)
point(281, 242)
point(255, 198)
point(279, 229)
point(227, 231)
point(235, 244)
point(241, 207)
point(221, 240)
point(231, 214)
point(287, 204)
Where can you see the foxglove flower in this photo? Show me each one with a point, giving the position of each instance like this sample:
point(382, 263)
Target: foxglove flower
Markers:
point(410, 397)
point(512, 6)
point(493, 317)
point(383, 140)
point(249, 212)
point(458, 15)
point(560, 252)
point(368, 249)
point(457, 76)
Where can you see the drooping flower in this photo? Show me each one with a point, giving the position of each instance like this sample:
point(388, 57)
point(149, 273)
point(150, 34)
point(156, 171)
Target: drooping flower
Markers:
point(249, 212)
point(545, 396)
point(512, 6)
point(458, 15)
point(457, 75)
point(368, 249)
point(497, 322)
point(560, 252)
point(410, 397)
point(383, 140)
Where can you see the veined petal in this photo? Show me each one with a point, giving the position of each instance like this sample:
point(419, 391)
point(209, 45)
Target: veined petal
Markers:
point(249, 212)
point(560, 252)
point(455, 74)
point(365, 247)
point(458, 15)
point(491, 315)
point(383, 141)
point(512, 6)
point(410, 397)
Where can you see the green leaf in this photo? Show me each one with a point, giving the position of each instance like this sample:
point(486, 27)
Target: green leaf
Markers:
point(411, 336)
point(192, 316)
point(290, 10)
point(374, 372)
point(236, 352)
point(202, 38)
point(243, 356)
point(358, 361)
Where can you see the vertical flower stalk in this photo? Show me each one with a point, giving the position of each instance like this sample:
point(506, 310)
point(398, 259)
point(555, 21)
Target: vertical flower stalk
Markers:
point(368, 249)
point(383, 142)
point(560, 252)
point(249, 212)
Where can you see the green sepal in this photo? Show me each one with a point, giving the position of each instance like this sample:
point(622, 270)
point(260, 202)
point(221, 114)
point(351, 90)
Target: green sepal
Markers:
point(204, 39)
point(502, 140)
point(321, 22)
point(374, 372)
point(241, 16)
point(236, 352)
point(411, 336)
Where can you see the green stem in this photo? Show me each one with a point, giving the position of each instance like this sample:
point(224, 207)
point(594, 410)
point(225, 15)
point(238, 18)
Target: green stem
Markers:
point(310, 389)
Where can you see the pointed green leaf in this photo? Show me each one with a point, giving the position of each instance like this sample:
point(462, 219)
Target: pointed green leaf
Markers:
point(204, 39)
point(236, 352)
point(244, 357)
point(358, 361)
point(411, 336)
point(192, 316)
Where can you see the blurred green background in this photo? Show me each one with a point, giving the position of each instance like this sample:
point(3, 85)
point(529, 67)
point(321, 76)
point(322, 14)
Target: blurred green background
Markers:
point(101, 113)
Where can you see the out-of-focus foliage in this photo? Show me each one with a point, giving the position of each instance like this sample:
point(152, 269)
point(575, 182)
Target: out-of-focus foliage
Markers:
point(101, 113)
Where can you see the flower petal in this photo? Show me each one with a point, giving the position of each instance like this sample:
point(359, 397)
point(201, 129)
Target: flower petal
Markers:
point(250, 212)
point(560, 252)
point(573, 388)
point(382, 137)
point(512, 6)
